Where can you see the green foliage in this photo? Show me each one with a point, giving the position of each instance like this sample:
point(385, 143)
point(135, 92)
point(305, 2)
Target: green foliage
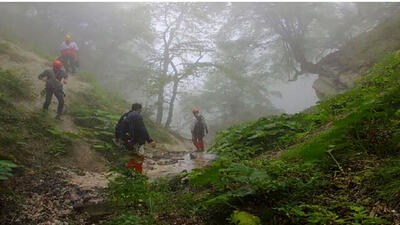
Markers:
point(360, 216)
point(313, 214)
point(130, 218)
point(244, 218)
point(149, 199)
point(4, 47)
point(7, 49)
point(326, 175)
point(97, 112)
point(61, 139)
point(6, 167)
point(317, 214)
point(100, 123)
point(13, 85)
point(360, 121)
point(266, 134)
point(24, 132)
point(386, 180)
point(129, 191)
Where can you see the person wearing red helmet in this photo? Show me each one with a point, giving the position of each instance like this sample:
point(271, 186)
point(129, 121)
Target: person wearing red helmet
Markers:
point(54, 85)
point(198, 129)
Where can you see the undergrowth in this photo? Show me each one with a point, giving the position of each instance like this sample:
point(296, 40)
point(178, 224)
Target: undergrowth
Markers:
point(97, 111)
point(25, 133)
point(335, 165)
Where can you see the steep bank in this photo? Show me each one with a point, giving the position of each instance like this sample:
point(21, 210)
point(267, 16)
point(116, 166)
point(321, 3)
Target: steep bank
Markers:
point(337, 164)
point(62, 165)
point(351, 61)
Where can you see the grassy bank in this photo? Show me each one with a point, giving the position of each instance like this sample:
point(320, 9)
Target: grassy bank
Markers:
point(335, 165)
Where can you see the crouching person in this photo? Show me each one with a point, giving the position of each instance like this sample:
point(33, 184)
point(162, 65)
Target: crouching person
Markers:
point(131, 131)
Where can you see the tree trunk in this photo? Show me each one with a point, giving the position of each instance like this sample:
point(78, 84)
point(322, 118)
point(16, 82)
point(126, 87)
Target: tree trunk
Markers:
point(160, 103)
point(171, 103)
point(166, 61)
point(160, 99)
point(297, 48)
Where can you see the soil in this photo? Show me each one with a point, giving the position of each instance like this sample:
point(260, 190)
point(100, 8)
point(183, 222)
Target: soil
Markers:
point(71, 190)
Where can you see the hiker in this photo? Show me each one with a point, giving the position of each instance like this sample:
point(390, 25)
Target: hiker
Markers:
point(69, 54)
point(131, 130)
point(54, 85)
point(198, 129)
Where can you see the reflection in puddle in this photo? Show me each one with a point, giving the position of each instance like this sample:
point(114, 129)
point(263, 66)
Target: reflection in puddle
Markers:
point(175, 162)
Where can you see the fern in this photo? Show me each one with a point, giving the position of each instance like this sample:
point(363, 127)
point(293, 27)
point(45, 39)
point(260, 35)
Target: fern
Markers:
point(6, 167)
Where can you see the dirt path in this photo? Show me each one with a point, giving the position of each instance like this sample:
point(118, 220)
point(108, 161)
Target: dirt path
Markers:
point(56, 194)
point(81, 156)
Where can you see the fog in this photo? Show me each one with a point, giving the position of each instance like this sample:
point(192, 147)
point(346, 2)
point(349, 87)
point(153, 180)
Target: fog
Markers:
point(237, 62)
point(295, 96)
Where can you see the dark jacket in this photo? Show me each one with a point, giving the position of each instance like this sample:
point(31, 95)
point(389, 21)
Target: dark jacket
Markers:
point(136, 128)
point(53, 80)
point(198, 126)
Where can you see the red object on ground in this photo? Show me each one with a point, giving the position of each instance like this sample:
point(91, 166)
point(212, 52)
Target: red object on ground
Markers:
point(135, 164)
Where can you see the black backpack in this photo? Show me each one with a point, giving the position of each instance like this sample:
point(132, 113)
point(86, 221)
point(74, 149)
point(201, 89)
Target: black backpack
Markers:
point(122, 127)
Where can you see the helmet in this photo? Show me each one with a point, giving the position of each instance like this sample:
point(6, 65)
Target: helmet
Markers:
point(57, 64)
point(67, 37)
point(194, 110)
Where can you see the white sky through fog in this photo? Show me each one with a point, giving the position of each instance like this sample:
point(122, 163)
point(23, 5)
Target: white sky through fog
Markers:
point(296, 95)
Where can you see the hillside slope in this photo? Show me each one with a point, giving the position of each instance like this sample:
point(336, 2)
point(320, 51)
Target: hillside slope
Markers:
point(338, 164)
point(61, 164)
point(353, 59)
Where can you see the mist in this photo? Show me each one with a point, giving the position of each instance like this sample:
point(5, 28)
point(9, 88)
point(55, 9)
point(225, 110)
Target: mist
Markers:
point(236, 62)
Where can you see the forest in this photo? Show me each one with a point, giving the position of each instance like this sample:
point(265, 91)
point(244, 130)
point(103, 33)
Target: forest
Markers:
point(299, 101)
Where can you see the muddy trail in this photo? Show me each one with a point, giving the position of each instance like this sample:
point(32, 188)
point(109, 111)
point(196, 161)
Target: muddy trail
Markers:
point(71, 189)
point(61, 196)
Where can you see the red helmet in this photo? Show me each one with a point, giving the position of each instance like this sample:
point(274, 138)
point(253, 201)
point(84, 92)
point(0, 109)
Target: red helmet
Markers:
point(195, 110)
point(57, 64)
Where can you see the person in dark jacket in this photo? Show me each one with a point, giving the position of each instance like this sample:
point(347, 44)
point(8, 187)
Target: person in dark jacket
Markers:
point(199, 129)
point(54, 85)
point(134, 136)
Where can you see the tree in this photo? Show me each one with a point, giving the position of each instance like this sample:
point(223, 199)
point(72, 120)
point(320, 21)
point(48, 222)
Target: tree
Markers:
point(113, 38)
point(184, 40)
point(300, 34)
point(233, 92)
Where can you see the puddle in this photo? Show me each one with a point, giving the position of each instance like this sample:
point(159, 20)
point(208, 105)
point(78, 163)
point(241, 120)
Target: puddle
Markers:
point(172, 163)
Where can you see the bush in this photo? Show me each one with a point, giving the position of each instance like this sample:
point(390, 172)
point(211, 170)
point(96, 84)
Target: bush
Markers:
point(6, 167)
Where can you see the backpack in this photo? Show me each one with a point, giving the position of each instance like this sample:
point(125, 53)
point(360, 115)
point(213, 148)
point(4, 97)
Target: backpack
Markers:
point(122, 127)
point(199, 126)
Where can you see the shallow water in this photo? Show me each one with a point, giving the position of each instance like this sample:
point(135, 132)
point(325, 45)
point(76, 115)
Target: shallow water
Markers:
point(172, 163)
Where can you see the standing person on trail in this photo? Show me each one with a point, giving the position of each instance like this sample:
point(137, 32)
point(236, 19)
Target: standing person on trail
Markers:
point(69, 54)
point(131, 130)
point(54, 77)
point(198, 129)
